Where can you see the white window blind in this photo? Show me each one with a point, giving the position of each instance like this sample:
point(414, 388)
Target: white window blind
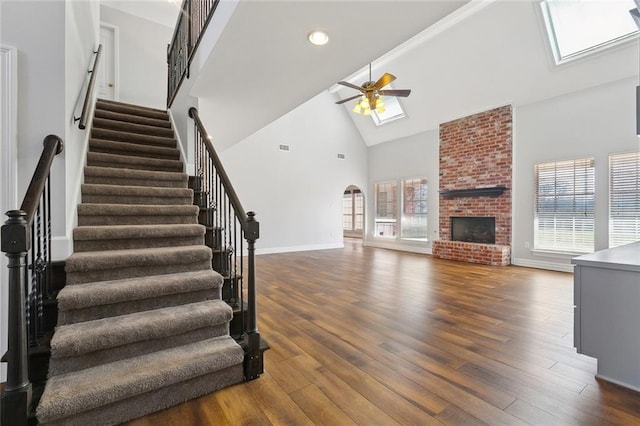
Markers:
point(564, 206)
point(624, 198)
point(414, 209)
point(386, 208)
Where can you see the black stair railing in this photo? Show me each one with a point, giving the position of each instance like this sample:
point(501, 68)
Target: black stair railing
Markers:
point(192, 22)
point(228, 226)
point(26, 241)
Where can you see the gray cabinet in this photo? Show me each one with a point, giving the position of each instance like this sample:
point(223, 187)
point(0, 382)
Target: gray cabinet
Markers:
point(607, 312)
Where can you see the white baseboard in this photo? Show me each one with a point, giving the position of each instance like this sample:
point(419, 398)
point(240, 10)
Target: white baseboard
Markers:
point(61, 248)
point(553, 266)
point(397, 246)
point(290, 249)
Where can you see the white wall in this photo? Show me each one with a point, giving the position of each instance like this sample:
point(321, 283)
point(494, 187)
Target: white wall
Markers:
point(414, 156)
point(297, 195)
point(52, 64)
point(590, 123)
point(143, 58)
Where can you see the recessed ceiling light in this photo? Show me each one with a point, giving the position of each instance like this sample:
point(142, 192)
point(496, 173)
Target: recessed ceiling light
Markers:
point(318, 38)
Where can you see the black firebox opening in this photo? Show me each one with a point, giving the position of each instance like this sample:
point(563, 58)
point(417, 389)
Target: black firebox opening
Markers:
point(474, 229)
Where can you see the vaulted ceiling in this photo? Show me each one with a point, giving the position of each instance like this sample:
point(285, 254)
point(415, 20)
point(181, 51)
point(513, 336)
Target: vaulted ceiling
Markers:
point(458, 57)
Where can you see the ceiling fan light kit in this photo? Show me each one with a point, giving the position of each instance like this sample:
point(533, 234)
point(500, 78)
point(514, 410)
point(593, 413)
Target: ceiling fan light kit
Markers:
point(371, 94)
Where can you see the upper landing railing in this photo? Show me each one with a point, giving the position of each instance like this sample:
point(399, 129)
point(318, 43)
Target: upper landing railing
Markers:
point(192, 22)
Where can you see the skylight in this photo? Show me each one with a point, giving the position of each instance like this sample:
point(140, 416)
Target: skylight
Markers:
point(393, 111)
point(577, 28)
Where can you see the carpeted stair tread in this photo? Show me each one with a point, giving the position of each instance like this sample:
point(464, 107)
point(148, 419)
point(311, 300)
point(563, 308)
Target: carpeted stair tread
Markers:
point(124, 148)
point(144, 129)
point(82, 391)
point(101, 159)
point(118, 194)
point(117, 237)
point(81, 296)
point(117, 232)
point(112, 259)
point(117, 135)
point(91, 336)
point(113, 176)
point(93, 214)
point(136, 110)
point(128, 118)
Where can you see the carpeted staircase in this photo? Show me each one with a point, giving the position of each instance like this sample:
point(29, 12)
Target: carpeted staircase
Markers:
point(141, 325)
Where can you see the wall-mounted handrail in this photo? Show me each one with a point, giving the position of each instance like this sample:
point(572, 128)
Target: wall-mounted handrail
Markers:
point(88, 98)
point(225, 214)
point(25, 238)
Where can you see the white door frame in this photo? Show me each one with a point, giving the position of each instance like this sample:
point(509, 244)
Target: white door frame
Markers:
point(116, 58)
point(8, 163)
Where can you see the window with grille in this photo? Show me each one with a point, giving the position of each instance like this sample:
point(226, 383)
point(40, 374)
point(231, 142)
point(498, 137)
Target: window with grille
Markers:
point(624, 198)
point(564, 206)
point(414, 209)
point(353, 210)
point(386, 209)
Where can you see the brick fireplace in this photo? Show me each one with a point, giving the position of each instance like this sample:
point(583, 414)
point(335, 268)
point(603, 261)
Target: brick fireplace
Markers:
point(475, 181)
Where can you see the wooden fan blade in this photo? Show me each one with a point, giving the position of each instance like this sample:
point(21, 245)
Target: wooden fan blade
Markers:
point(383, 81)
point(353, 86)
point(403, 93)
point(348, 99)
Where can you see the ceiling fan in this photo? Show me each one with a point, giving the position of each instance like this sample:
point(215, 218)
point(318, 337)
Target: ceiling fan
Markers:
point(371, 92)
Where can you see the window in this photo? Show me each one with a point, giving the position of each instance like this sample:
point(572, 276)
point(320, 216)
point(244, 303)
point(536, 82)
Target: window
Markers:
point(353, 211)
point(564, 206)
point(579, 27)
point(386, 199)
point(624, 198)
point(414, 209)
point(393, 111)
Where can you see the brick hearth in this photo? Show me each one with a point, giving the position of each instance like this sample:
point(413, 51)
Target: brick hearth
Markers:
point(476, 152)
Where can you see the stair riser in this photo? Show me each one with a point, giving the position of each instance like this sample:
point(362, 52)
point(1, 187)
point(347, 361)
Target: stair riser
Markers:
point(112, 135)
point(101, 123)
point(105, 311)
point(155, 400)
point(70, 364)
point(136, 150)
point(125, 118)
point(108, 180)
point(135, 243)
point(99, 159)
point(133, 200)
point(76, 277)
point(130, 110)
point(91, 220)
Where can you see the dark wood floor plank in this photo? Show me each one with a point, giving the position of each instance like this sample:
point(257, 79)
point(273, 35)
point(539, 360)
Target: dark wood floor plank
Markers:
point(372, 336)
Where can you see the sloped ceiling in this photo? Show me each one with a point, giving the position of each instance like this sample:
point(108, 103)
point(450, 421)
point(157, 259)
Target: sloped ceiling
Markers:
point(458, 57)
point(263, 66)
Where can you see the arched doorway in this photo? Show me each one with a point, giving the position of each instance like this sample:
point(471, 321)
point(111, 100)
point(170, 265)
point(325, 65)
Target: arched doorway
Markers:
point(353, 212)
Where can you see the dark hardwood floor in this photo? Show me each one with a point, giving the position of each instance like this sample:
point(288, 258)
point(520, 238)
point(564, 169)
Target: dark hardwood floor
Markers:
point(378, 337)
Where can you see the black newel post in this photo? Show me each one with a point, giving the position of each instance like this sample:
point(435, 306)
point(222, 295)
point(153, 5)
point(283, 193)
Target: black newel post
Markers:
point(16, 396)
point(252, 361)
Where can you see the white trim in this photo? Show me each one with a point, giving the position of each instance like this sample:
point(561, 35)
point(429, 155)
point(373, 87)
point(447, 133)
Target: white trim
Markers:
point(290, 249)
point(552, 266)
point(61, 248)
point(8, 125)
point(183, 153)
point(8, 164)
point(397, 246)
point(116, 58)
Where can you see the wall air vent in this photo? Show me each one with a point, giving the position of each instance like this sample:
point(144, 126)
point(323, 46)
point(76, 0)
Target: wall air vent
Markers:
point(285, 148)
point(341, 156)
